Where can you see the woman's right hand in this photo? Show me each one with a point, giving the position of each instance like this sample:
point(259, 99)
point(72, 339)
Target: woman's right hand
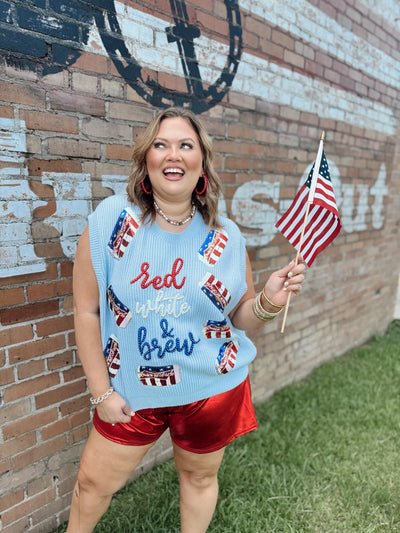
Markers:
point(114, 410)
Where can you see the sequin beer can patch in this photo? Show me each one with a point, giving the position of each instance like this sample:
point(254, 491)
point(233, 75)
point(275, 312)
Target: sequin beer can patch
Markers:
point(124, 230)
point(212, 248)
point(159, 376)
point(121, 312)
point(215, 290)
point(226, 359)
point(213, 329)
point(111, 353)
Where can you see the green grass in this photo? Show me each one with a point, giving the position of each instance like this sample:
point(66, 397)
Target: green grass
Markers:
point(325, 458)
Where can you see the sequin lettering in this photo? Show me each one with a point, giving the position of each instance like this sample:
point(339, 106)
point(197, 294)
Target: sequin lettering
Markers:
point(163, 306)
point(169, 343)
point(157, 282)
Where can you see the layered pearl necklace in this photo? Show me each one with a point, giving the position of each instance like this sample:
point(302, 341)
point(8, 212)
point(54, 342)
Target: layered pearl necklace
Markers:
point(175, 222)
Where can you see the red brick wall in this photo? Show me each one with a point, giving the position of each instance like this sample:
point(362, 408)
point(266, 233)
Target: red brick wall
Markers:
point(68, 120)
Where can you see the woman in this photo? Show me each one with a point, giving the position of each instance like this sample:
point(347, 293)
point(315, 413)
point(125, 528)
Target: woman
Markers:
point(163, 294)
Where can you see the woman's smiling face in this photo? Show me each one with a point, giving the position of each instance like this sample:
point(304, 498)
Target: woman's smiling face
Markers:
point(174, 161)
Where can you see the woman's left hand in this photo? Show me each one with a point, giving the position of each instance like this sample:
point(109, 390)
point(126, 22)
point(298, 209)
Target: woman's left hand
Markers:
point(288, 279)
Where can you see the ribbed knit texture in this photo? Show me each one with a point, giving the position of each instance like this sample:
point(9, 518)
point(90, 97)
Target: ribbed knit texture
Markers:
point(158, 293)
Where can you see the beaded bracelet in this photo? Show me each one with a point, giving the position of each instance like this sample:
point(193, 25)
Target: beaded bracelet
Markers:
point(260, 312)
point(107, 394)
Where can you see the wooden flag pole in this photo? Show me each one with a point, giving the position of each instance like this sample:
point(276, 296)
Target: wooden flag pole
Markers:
point(295, 264)
point(310, 200)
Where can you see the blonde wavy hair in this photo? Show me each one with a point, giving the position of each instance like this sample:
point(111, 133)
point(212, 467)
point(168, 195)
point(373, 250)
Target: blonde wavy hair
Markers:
point(207, 204)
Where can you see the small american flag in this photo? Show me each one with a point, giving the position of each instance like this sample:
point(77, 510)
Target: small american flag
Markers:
point(323, 222)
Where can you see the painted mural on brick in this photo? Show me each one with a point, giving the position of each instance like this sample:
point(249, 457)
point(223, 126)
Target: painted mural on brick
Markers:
point(134, 40)
point(148, 46)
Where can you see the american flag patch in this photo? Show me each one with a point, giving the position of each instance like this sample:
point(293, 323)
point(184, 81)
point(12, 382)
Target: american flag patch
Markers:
point(215, 290)
point(124, 230)
point(212, 248)
point(227, 357)
point(121, 311)
point(159, 376)
point(111, 353)
point(213, 329)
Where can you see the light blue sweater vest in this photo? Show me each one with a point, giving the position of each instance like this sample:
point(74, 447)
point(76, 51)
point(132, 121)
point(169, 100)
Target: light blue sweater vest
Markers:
point(164, 305)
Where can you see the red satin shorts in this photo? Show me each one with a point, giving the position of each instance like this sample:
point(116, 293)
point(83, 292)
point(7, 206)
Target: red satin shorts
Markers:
point(199, 427)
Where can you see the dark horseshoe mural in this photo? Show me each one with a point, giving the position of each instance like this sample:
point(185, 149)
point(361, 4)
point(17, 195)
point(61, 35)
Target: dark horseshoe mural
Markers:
point(54, 53)
point(183, 33)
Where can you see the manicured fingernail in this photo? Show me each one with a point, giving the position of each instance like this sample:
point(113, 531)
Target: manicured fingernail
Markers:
point(290, 274)
point(286, 284)
point(284, 289)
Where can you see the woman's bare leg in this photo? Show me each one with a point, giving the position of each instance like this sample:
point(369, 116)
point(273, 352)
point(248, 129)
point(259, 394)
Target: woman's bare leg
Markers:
point(105, 468)
point(198, 476)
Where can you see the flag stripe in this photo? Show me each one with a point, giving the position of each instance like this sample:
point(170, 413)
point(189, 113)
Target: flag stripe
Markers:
point(324, 193)
point(320, 245)
point(324, 201)
point(316, 221)
point(291, 221)
point(315, 231)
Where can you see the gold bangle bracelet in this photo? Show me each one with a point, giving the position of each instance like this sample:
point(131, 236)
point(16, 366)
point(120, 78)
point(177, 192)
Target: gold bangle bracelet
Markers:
point(260, 312)
point(271, 303)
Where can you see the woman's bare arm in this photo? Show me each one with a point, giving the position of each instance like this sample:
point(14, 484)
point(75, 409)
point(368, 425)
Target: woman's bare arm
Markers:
point(289, 278)
point(88, 335)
